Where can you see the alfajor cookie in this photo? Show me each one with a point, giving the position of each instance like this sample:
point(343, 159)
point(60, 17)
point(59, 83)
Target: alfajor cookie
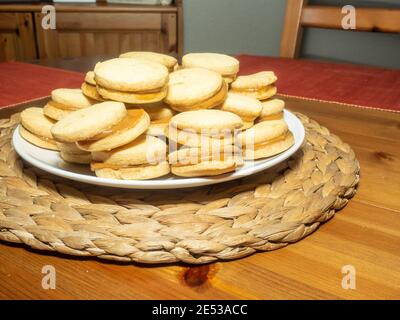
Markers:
point(194, 162)
point(144, 158)
point(272, 110)
point(204, 128)
point(103, 126)
point(207, 137)
point(69, 152)
point(89, 87)
point(206, 120)
point(265, 139)
point(169, 62)
point(64, 101)
point(76, 158)
point(134, 81)
point(225, 65)
point(36, 128)
point(194, 89)
point(246, 107)
point(259, 85)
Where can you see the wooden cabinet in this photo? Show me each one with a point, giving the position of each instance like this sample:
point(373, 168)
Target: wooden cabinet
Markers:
point(17, 41)
point(90, 30)
point(89, 34)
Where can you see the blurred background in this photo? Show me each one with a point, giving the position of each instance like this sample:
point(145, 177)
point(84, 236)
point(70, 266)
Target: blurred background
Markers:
point(227, 26)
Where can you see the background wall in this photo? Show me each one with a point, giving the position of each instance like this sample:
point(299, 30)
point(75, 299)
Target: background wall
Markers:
point(255, 27)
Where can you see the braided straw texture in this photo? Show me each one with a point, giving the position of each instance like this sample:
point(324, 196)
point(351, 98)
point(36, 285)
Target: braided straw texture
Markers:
point(226, 221)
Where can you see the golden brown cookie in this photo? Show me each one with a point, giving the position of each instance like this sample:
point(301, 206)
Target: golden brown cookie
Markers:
point(136, 81)
point(259, 85)
point(225, 65)
point(194, 89)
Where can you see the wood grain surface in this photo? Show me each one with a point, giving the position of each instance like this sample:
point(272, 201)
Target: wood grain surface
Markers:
point(365, 234)
point(89, 29)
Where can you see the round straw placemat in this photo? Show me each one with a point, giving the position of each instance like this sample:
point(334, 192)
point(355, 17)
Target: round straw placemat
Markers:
point(226, 221)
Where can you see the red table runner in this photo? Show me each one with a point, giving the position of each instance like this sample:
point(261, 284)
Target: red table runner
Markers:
point(342, 83)
point(23, 82)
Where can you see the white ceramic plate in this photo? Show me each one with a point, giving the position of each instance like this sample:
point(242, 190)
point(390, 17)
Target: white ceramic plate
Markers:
point(51, 162)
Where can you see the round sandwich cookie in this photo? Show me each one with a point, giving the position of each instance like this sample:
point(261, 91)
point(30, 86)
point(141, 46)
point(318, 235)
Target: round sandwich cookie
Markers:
point(272, 110)
point(103, 126)
point(36, 140)
point(225, 65)
point(49, 110)
point(132, 126)
point(132, 98)
point(89, 122)
point(202, 121)
point(64, 101)
point(139, 172)
point(70, 147)
point(259, 85)
point(204, 128)
point(89, 87)
point(194, 89)
point(246, 107)
point(76, 158)
point(191, 138)
point(169, 62)
point(135, 81)
point(194, 162)
point(69, 152)
point(265, 139)
point(144, 158)
point(192, 155)
point(196, 166)
point(36, 128)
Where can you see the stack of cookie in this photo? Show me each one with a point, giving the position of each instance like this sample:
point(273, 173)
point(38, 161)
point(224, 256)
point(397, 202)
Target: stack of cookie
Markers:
point(272, 109)
point(89, 87)
point(261, 86)
point(135, 81)
point(143, 158)
point(246, 107)
point(110, 133)
point(194, 89)
point(226, 66)
point(141, 116)
point(64, 102)
point(206, 141)
point(36, 128)
point(265, 139)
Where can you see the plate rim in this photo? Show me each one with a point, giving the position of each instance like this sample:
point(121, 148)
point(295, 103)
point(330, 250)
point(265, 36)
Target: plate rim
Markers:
point(166, 183)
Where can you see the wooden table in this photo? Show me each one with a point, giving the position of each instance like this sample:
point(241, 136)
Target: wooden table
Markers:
point(365, 234)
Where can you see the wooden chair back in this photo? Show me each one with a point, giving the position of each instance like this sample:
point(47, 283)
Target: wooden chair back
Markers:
point(300, 15)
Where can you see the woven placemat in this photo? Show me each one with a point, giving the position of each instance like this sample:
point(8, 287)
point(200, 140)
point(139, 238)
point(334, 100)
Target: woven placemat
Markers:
point(231, 220)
